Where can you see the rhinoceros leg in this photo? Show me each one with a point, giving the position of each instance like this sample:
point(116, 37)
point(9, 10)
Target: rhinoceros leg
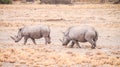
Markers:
point(47, 40)
point(72, 44)
point(76, 42)
point(25, 40)
point(33, 41)
point(92, 43)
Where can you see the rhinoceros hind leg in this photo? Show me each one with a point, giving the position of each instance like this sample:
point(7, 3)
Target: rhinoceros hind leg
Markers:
point(33, 41)
point(92, 43)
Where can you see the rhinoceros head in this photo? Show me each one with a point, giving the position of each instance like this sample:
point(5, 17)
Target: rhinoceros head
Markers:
point(65, 40)
point(17, 37)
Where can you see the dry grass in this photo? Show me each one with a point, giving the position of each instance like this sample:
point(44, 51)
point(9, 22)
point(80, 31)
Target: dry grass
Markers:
point(49, 57)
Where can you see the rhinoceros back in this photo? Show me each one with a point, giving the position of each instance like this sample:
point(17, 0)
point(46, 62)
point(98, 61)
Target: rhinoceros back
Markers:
point(36, 31)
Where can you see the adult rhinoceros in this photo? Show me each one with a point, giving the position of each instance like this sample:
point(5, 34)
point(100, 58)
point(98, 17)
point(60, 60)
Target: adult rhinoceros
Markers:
point(33, 32)
point(81, 33)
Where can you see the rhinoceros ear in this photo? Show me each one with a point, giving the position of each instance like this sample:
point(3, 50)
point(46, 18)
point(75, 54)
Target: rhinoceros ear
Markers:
point(20, 29)
point(63, 33)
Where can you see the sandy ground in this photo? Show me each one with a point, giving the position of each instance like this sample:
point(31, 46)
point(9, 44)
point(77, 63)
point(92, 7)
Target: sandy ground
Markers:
point(105, 19)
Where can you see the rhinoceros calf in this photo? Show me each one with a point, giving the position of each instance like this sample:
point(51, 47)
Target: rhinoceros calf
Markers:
point(82, 33)
point(33, 32)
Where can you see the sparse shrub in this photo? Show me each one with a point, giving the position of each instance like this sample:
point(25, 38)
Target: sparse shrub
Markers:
point(55, 1)
point(30, 0)
point(5, 1)
point(63, 1)
point(117, 2)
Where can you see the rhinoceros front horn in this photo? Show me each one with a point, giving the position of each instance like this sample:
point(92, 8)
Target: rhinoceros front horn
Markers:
point(12, 37)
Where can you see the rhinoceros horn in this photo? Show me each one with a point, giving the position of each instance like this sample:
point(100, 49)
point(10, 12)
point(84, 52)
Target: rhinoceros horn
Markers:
point(13, 37)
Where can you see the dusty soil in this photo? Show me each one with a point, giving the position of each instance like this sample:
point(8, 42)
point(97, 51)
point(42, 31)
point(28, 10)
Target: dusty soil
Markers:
point(105, 18)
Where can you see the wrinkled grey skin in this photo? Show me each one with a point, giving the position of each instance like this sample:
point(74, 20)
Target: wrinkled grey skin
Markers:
point(33, 32)
point(83, 33)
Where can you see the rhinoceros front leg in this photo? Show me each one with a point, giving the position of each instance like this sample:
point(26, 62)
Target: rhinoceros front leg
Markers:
point(72, 44)
point(33, 41)
point(76, 42)
point(25, 40)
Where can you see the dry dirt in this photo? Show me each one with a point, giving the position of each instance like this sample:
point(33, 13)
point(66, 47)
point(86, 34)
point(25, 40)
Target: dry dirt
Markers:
point(105, 18)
